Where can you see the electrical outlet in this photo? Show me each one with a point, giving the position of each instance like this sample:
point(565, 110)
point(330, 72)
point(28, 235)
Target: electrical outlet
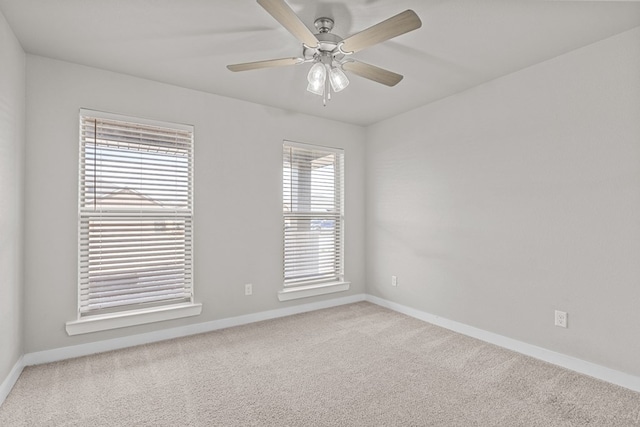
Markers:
point(561, 318)
point(394, 280)
point(248, 289)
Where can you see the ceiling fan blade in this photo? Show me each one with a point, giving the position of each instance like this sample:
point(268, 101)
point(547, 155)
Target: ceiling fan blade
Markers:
point(289, 20)
point(283, 62)
point(372, 72)
point(382, 31)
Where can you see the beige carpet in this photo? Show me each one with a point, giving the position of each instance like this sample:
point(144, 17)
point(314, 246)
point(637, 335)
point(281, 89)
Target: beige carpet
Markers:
point(355, 365)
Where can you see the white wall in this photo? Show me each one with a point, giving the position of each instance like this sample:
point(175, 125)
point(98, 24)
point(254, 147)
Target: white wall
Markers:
point(498, 205)
point(12, 122)
point(238, 187)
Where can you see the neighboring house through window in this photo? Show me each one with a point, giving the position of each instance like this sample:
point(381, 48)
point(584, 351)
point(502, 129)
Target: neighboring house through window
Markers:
point(313, 214)
point(135, 220)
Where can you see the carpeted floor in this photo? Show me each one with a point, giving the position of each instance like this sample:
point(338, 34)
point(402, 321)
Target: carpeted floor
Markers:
point(354, 365)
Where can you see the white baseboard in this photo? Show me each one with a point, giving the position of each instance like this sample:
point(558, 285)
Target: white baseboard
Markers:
point(622, 379)
point(79, 350)
point(587, 368)
point(9, 382)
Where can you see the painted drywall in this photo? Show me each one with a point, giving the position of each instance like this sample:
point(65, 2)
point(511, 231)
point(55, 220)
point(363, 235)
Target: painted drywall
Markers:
point(237, 204)
point(12, 123)
point(501, 204)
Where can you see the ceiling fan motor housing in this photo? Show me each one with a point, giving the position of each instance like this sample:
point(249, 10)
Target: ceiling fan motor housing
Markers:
point(327, 41)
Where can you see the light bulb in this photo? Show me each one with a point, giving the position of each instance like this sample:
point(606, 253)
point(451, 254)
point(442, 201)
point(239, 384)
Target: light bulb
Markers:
point(338, 79)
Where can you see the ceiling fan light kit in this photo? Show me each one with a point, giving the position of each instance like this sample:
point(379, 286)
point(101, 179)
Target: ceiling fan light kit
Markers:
point(326, 58)
point(329, 53)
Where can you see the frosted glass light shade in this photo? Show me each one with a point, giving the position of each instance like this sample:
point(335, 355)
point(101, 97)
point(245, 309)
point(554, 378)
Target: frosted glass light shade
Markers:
point(317, 77)
point(318, 89)
point(338, 79)
point(317, 74)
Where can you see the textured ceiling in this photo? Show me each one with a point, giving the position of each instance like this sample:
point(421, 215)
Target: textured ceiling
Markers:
point(462, 43)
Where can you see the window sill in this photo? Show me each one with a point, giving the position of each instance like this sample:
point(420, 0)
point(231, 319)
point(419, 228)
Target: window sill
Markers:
point(312, 290)
point(131, 318)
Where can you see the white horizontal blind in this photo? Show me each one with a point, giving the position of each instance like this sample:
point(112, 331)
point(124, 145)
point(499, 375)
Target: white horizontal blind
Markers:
point(313, 214)
point(135, 227)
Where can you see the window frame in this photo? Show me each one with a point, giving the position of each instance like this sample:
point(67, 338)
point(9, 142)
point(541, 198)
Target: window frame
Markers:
point(140, 313)
point(337, 283)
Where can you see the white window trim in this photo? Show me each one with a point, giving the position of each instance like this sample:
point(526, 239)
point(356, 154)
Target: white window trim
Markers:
point(126, 318)
point(132, 317)
point(315, 289)
point(298, 292)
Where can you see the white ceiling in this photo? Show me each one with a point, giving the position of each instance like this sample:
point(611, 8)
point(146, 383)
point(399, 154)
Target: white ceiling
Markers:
point(462, 43)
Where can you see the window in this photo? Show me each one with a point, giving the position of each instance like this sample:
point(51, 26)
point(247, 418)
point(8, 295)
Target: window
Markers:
point(135, 215)
point(312, 206)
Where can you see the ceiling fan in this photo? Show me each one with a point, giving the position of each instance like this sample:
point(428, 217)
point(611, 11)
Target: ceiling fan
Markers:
point(331, 54)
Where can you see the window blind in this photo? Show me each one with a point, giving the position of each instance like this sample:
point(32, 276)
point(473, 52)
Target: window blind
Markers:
point(135, 213)
point(313, 214)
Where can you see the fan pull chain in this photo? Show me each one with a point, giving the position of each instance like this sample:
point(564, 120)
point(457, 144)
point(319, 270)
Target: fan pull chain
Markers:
point(326, 93)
